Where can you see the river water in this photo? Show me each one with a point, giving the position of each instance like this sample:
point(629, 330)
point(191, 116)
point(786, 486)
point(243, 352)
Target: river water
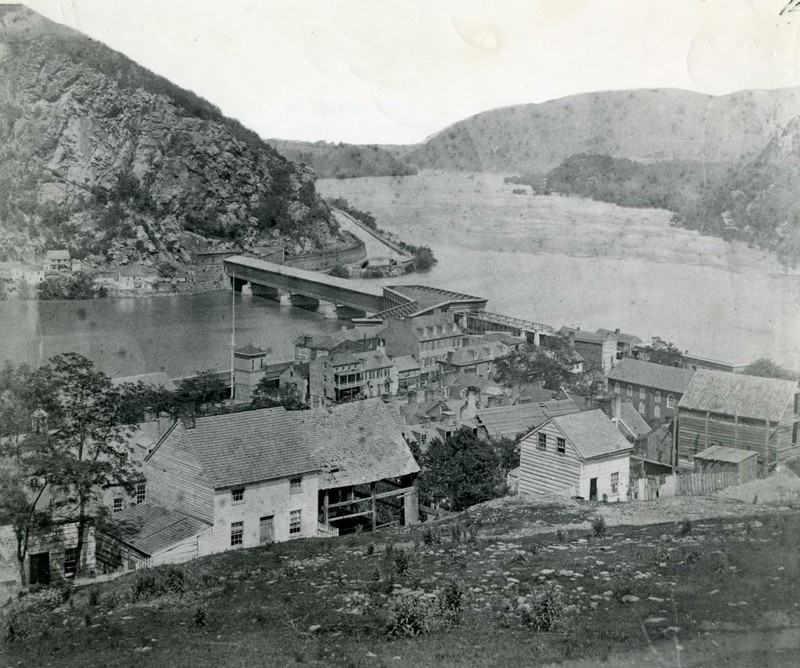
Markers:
point(553, 260)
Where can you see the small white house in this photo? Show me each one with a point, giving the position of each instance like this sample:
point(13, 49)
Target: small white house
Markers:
point(580, 454)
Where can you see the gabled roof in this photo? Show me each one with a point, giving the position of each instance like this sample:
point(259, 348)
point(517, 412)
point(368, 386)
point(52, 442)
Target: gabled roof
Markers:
point(405, 363)
point(358, 442)
point(633, 423)
point(329, 341)
point(508, 421)
point(57, 255)
point(246, 447)
point(650, 374)
point(592, 434)
point(527, 393)
point(630, 339)
point(737, 394)
point(151, 529)
point(583, 336)
point(719, 453)
point(373, 360)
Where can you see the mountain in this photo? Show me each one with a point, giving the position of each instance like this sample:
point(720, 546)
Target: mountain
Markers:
point(332, 161)
point(100, 155)
point(645, 125)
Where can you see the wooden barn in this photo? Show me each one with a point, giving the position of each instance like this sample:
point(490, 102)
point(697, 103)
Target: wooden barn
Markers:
point(719, 459)
point(579, 454)
point(738, 411)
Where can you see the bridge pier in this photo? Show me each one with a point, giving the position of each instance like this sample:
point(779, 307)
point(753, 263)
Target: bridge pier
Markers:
point(328, 309)
point(266, 292)
point(304, 301)
point(238, 283)
point(348, 313)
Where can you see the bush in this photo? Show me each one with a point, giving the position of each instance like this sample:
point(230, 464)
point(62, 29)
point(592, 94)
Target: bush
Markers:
point(543, 610)
point(686, 527)
point(431, 536)
point(94, 597)
point(451, 602)
point(402, 562)
point(339, 271)
point(153, 582)
point(599, 526)
point(410, 616)
point(200, 616)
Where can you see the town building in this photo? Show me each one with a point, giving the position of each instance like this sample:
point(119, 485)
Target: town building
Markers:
point(408, 371)
point(579, 454)
point(355, 339)
point(335, 378)
point(743, 464)
point(249, 368)
point(695, 362)
point(653, 389)
point(739, 411)
point(381, 378)
point(136, 277)
point(627, 344)
point(57, 260)
point(512, 421)
point(598, 351)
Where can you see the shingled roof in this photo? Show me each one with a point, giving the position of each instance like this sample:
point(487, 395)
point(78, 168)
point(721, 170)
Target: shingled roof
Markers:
point(151, 529)
point(737, 394)
point(359, 442)
point(351, 444)
point(650, 374)
point(632, 421)
point(508, 421)
point(247, 447)
point(592, 434)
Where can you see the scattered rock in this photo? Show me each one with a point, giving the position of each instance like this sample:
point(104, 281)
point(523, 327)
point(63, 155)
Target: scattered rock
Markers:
point(655, 620)
point(630, 598)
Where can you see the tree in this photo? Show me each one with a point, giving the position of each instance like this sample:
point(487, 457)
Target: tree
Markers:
point(766, 368)
point(82, 446)
point(552, 365)
point(136, 398)
point(288, 396)
point(203, 388)
point(664, 352)
point(461, 470)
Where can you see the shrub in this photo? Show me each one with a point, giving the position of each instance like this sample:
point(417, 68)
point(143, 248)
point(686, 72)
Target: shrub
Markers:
point(370, 549)
point(562, 536)
point(686, 527)
point(339, 271)
point(402, 563)
point(544, 608)
point(410, 616)
point(150, 583)
point(18, 626)
point(599, 526)
point(94, 597)
point(200, 616)
point(451, 602)
point(431, 536)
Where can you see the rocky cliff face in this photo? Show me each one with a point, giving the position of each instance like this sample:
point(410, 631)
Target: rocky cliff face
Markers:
point(106, 158)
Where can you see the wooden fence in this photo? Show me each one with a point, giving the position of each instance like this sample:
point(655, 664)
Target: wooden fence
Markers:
point(705, 483)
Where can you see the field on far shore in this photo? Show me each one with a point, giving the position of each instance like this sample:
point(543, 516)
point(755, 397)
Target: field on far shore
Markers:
point(455, 592)
point(480, 212)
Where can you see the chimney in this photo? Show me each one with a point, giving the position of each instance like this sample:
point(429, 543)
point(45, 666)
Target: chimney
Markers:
point(617, 406)
point(616, 331)
point(571, 339)
point(150, 415)
point(165, 421)
point(188, 421)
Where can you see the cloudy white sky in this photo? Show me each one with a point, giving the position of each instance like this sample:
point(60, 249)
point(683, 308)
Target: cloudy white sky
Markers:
point(396, 71)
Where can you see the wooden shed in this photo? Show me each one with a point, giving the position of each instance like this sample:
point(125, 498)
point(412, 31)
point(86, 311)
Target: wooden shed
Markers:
point(719, 459)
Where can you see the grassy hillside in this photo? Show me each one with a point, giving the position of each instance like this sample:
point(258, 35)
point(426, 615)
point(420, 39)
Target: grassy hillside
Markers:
point(658, 124)
point(342, 161)
point(495, 586)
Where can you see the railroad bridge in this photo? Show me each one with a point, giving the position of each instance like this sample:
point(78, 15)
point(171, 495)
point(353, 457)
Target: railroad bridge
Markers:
point(304, 288)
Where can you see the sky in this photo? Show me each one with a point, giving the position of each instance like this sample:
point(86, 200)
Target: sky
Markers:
point(381, 71)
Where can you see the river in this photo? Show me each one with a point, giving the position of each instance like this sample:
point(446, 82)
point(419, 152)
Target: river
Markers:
point(553, 260)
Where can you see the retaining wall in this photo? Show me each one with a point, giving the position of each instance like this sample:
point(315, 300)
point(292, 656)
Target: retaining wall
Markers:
point(355, 251)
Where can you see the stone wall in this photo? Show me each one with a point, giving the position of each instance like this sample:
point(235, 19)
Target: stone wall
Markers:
point(355, 251)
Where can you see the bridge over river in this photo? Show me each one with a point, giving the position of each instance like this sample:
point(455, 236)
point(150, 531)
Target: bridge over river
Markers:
point(308, 289)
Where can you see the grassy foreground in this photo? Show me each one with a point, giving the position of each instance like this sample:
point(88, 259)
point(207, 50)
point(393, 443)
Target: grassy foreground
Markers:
point(450, 593)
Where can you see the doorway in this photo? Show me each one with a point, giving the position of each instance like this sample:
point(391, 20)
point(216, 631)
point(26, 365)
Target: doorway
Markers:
point(593, 489)
point(40, 568)
point(266, 530)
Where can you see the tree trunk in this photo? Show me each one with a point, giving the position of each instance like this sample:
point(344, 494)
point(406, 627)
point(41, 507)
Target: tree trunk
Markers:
point(22, 552)
point(79, 546)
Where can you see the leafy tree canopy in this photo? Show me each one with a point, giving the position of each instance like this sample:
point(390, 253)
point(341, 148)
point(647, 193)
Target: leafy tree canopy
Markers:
point(664, 352)
point(766, 368)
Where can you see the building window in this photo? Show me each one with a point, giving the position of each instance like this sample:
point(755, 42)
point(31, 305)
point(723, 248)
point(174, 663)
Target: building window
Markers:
point(642, 395)
point(237, 533)
point(237, 495)
point(794, 432)
point(295, 485)
point(616, 388)
point(561, 445)
point(641, 408)
point(295, 522)
point(542, 445)
point(70, 561)
point(118, 504)
point(139, 492)
point(630, 391)
point(423, 438)
point(615, 483)
point(657, 412)
point(670, 401)
point(657, 397)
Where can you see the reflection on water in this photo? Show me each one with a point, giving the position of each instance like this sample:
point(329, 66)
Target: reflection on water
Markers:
point(178, 335)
